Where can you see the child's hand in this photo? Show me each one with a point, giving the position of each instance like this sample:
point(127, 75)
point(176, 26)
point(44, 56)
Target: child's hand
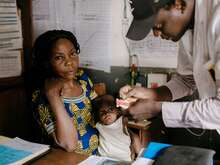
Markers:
point(53, 87)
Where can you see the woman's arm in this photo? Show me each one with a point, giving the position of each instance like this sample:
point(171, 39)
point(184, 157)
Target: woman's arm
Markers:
point(65, 134)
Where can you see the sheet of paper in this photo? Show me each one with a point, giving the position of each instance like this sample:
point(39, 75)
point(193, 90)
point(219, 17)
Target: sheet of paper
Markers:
point(150, 49)
point(10, 26)
point(155, 80)
point(89, 20)
point(93, 29)
point(21, 144)
point(43, 14)
point(10, 63)
point(9, 155)
point(143, 161)
point(100, 160)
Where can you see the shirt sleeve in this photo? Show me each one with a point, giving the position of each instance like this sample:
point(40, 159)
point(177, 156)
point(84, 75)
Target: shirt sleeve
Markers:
point(42, 112)
point(181, 85)
point(203, 113)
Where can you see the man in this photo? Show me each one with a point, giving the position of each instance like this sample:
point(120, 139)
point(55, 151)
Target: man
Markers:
point(197, 23)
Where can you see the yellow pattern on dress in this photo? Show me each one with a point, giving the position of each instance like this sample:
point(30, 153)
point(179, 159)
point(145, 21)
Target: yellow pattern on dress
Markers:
point(93, 143)
point(44, 113)
point(75, 110)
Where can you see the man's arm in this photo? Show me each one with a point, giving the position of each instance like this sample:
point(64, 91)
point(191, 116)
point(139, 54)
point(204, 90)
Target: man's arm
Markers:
point(203, 113)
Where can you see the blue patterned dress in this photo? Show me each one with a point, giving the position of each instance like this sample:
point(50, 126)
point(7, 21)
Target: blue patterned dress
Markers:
point(78, 108)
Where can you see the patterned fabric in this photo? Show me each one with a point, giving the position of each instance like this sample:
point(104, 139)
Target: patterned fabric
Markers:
point(78, 108)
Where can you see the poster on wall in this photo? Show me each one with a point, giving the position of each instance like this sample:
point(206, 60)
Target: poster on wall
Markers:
point(90, 21)
point(155, 52)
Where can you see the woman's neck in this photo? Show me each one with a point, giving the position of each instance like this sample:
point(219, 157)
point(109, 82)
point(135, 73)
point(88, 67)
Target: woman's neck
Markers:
point(71, 89)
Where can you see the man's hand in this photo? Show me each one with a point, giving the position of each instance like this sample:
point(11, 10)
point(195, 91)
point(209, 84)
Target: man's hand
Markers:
point(124, 91)
point(144, 109)
point(137, 92)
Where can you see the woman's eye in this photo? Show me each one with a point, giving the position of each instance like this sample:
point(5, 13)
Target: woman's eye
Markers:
point(74, 54)
point(58, 57)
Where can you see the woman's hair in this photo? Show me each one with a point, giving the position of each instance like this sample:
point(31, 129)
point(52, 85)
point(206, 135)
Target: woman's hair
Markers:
point(103, 101)
point(42, 52)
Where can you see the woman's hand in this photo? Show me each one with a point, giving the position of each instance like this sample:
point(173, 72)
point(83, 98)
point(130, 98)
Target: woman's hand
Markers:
point(53, 88)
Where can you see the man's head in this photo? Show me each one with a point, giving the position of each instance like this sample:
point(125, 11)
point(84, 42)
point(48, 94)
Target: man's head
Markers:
point(168, 18)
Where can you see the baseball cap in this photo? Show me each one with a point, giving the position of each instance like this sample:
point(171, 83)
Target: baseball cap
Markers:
point(144, 12)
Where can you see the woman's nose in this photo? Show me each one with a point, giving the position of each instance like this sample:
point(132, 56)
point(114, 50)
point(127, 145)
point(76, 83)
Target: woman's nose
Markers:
point(69, 62)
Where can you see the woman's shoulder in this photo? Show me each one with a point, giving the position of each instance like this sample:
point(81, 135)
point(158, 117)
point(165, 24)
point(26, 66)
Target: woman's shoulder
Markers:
point(38, 96)
point(81, 74)
point(84, 78)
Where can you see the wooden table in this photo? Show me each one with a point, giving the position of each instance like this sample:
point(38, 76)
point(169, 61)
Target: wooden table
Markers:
point(60, 157)
point(142, 127)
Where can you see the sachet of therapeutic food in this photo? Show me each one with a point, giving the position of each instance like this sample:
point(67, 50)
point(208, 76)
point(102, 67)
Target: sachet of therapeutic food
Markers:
point(125, 103)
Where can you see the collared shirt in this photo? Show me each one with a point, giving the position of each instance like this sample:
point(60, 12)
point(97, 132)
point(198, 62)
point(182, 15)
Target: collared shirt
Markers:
point(194, 63)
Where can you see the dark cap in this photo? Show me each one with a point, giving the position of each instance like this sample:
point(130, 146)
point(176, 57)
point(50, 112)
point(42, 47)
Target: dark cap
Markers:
point(144, 12)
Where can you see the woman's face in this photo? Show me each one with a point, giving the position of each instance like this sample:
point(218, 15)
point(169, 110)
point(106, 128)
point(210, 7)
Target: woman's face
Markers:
point(64, 59)
point(108, 115)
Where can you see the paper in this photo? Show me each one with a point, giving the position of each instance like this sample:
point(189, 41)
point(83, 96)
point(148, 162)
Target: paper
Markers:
point(9, 155)
point(93, 29)
point(10, 26)
point(155, 80)
point(10, 63)
point(143, 161)
point(21, 144)
point(100, 160)
point(152, 48)
point(43, 16)
point(18, 151)
point(89, 20)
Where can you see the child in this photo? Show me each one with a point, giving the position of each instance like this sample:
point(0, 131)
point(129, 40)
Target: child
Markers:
point(114, 139)
point(62, 103)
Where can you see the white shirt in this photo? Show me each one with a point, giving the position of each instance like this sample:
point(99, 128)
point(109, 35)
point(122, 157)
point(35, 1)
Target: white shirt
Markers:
point(194, 63)
point(113, 142)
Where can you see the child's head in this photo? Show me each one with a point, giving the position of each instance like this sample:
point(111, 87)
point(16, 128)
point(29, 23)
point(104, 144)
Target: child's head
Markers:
point(105, 110)
point(55, 54)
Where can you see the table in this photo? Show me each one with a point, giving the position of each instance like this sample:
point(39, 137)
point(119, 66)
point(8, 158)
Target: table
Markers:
point(142, 127)
point(60, 157)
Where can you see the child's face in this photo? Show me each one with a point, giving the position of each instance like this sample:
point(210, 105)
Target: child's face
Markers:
point(108, 115)
point(64, 59)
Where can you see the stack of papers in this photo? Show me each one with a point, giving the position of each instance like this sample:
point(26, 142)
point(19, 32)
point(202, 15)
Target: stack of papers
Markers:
point(18, 151)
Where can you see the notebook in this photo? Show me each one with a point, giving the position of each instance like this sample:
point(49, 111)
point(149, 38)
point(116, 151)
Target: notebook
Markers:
point(18, 151)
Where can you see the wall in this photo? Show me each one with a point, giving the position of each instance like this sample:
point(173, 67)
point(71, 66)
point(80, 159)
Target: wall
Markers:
point(120, 56)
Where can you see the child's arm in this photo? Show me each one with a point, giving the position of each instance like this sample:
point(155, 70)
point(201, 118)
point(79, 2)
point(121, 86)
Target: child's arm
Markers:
point(135, 142)
point(65, 134)
point(136, 145)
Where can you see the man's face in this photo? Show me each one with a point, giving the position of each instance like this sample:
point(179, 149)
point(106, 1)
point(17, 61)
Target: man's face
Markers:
point(171, 23)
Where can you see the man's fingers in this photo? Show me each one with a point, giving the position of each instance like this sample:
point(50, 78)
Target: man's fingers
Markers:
point(124, 90)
